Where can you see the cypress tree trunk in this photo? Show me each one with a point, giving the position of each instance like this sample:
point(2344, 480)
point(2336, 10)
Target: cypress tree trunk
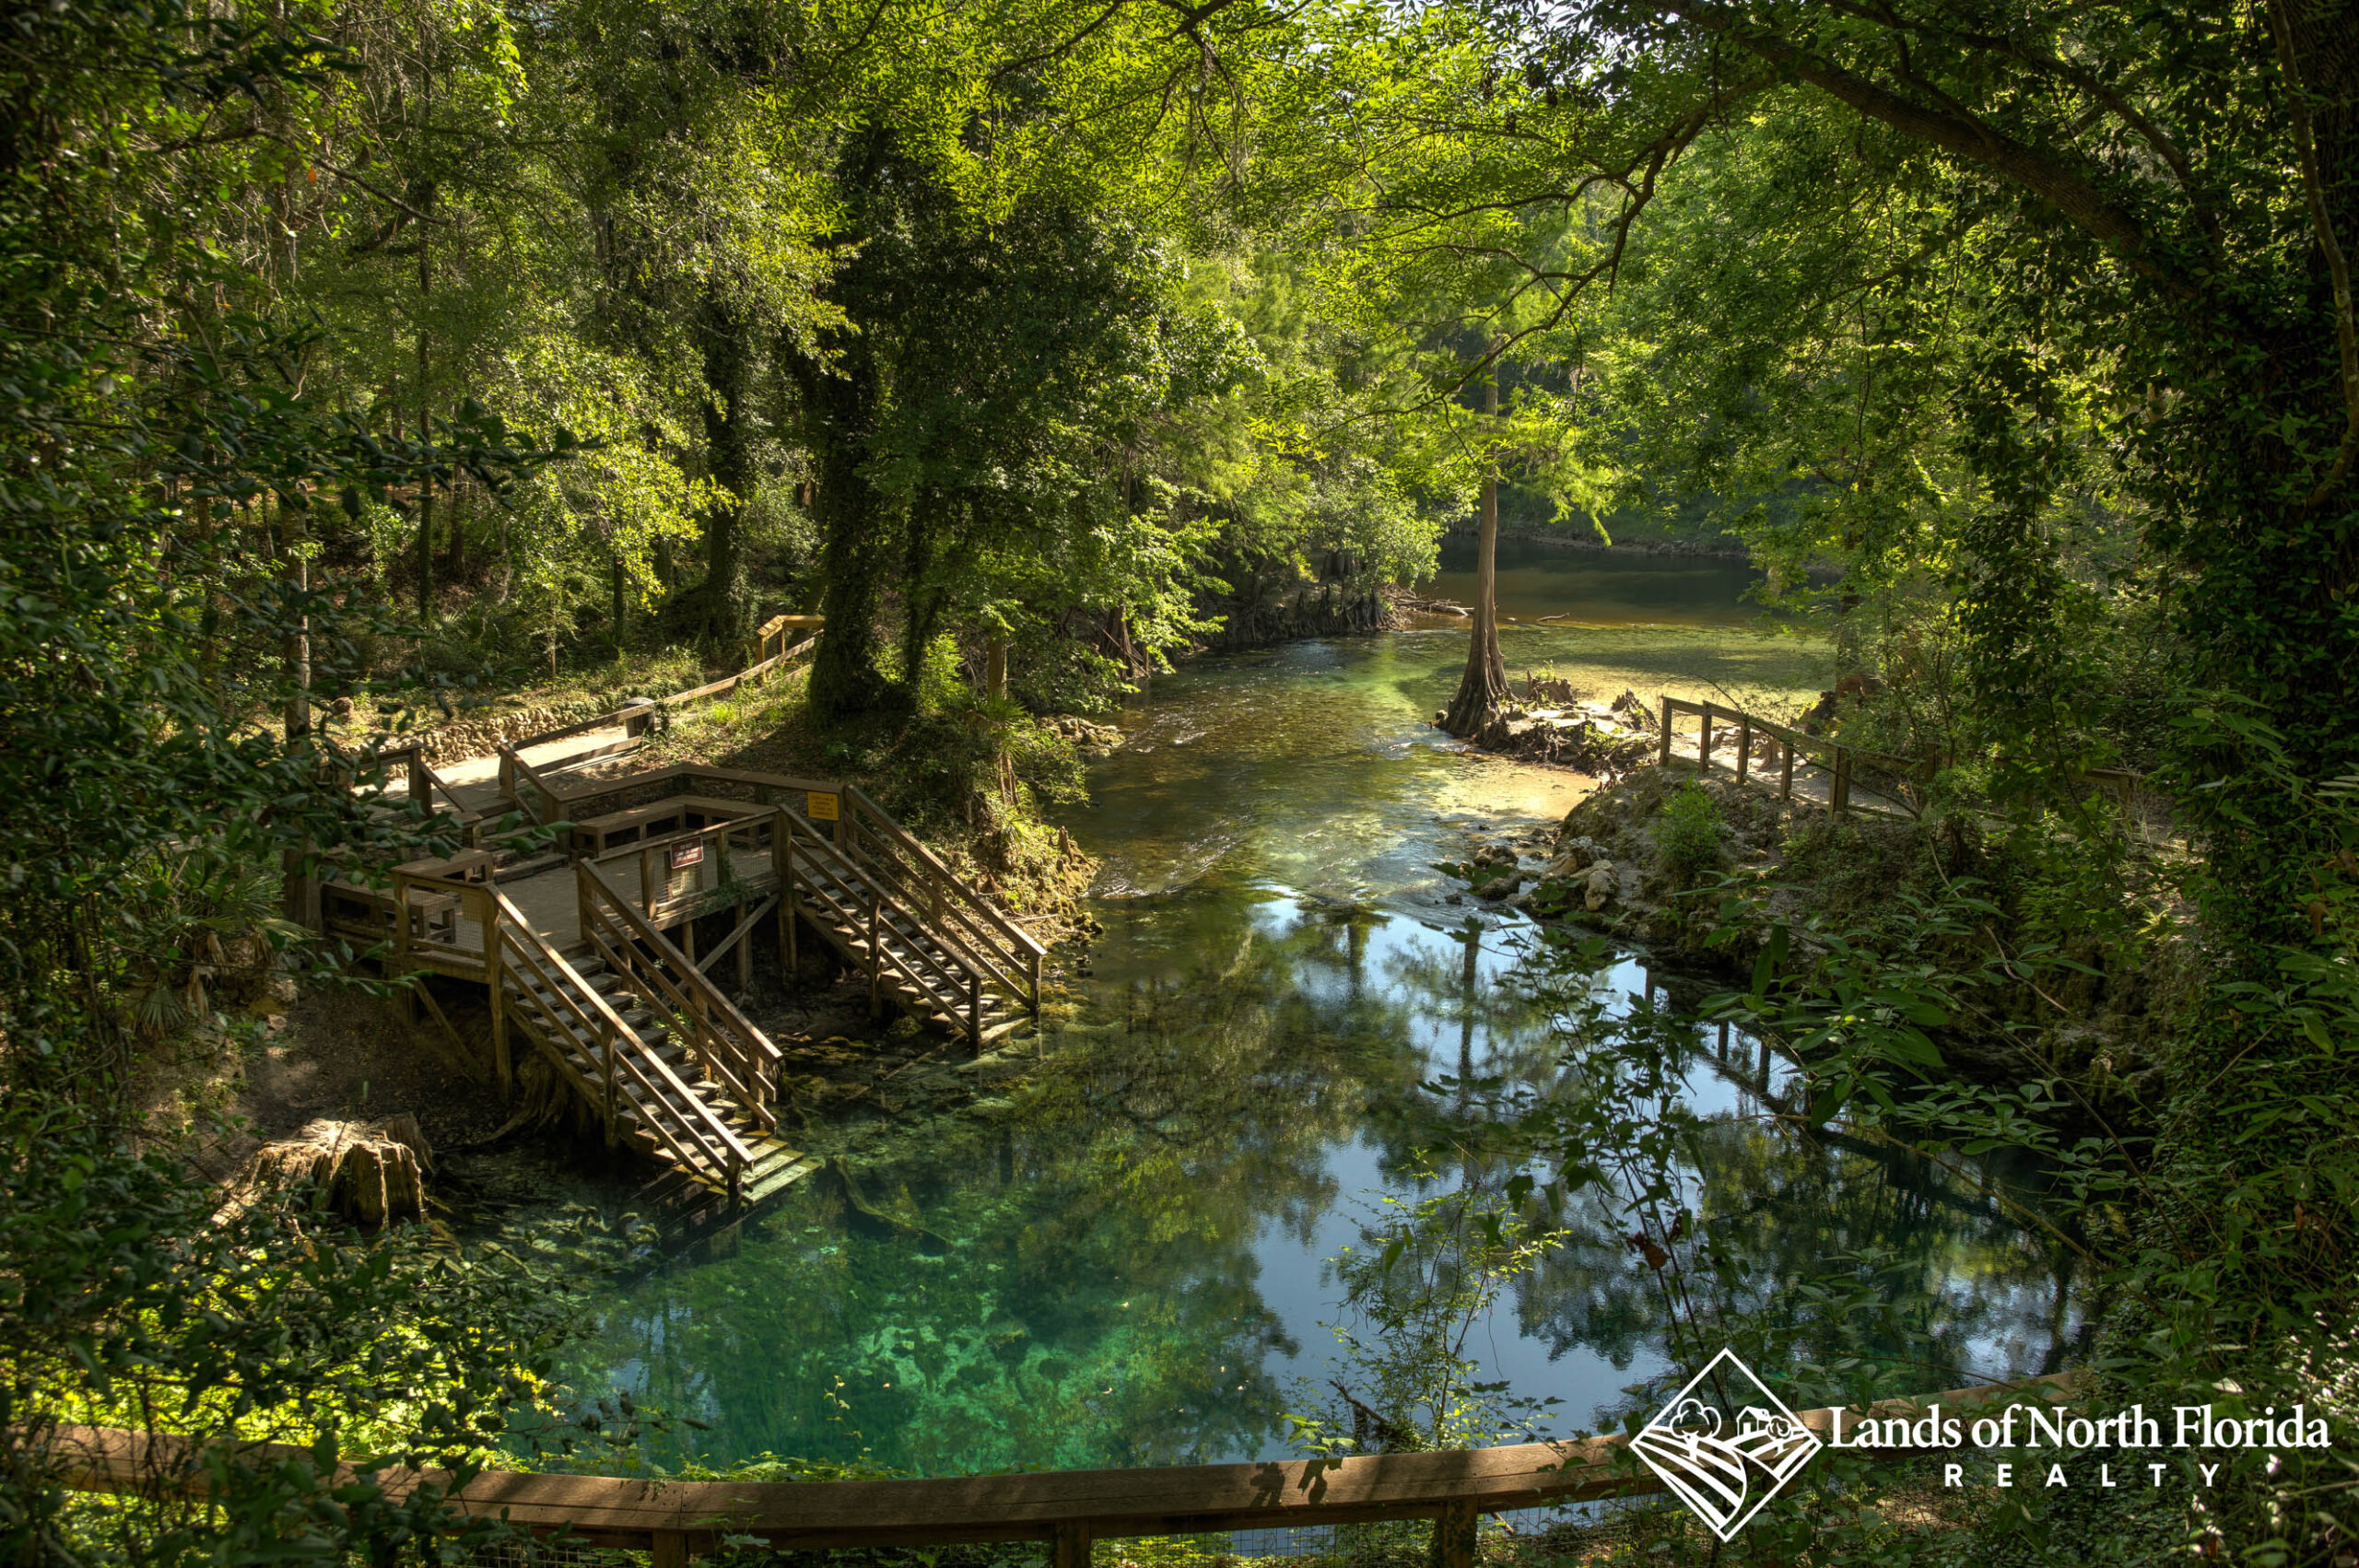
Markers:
point(1485, 684)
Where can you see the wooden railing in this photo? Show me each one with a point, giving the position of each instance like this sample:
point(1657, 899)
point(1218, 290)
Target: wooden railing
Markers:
point(515, 775)
point(425, 783)
point(565, 1005)
point(1910, 778)
point(724, 1043)
point(675, 1521)
point(443, 923)
point(964, 919)
point(814, 872)
point(751, 673)
point(780, 629)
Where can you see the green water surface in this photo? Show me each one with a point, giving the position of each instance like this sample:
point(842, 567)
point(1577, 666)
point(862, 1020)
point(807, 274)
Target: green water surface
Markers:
point(1122, 1256)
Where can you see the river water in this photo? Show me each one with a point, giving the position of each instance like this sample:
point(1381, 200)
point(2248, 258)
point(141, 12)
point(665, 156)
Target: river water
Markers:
point(1122, 1259)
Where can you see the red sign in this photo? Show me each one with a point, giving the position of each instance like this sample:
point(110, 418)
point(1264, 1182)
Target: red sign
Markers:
point(686, 852)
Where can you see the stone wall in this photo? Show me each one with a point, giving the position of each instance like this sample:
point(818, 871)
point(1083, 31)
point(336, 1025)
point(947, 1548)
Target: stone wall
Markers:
point(480, 735)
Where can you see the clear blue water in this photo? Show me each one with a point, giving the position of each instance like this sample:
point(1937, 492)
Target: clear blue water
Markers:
point(1121, 1255)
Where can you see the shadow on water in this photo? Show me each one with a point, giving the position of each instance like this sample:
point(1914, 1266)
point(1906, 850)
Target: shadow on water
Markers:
point(1123, 1253)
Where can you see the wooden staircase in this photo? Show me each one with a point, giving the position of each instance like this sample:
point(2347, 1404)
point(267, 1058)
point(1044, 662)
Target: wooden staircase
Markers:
point(634, 1023)
point(929, 942)
point(631, 1028)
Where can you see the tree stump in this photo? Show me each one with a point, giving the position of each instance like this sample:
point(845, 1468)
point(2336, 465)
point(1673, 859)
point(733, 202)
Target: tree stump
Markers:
point(372, 1172)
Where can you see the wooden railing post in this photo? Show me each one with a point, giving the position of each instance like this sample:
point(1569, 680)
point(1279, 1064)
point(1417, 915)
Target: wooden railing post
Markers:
point(1785, 770)
point(784, 839)
point(495, 938)
point(400, 921)
point(1071, 1547)
point(1663, 760)
point(975, 1008)
point(1838, 793)
point(1704, 740)
point(608, 1065)
point(1744, 746)
point(876, 947)
point(1454, 1537)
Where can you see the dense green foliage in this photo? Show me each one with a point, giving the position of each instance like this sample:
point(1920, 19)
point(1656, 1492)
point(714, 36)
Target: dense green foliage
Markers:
point(354, 349)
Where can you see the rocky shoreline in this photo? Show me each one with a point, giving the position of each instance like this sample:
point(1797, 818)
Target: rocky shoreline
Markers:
point(1552, 722)
point(1609, 867)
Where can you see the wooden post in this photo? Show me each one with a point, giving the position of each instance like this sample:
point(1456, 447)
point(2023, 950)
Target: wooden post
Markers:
point(1744, 746)
point(787, 936)
point(646, 882)
point(1454, 1537)
point(744, 964)
point(1664, 759)
point(420, 793)
point(1032, 966)
point(875, 950)
point(1838, 793)
point(1704, 740)
point(671, 1546)
point(1072, 1547)
point(975, 1008)
point(494, 962)
point(400, 921)
point(1785, 770)
point(609, 1066)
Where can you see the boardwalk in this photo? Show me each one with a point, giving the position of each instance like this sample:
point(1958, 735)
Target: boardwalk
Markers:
point(596, 898)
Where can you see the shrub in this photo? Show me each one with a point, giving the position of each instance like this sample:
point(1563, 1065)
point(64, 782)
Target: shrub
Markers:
point(1687, 835)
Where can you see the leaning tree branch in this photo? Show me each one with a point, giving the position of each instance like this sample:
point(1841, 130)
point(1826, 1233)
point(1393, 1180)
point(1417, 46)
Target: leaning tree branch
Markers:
point(1977, 141)
point(2338, 265)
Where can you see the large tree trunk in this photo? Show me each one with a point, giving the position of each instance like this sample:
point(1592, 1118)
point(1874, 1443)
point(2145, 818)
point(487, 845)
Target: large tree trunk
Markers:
point(920, 600)
point(725, 612)
point(1485, 684)
point(839, 413)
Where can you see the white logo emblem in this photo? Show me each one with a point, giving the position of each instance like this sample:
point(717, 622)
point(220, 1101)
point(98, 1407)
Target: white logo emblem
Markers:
point(1725, 1471)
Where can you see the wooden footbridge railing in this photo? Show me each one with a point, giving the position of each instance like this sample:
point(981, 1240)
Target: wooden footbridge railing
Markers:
point(617, 1063)
point(677, 1521)
point(1841, 762)
point(1911, 778)
point(888, 904)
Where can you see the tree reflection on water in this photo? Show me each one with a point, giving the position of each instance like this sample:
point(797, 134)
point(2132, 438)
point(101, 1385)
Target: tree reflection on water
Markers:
point(1105, 1264)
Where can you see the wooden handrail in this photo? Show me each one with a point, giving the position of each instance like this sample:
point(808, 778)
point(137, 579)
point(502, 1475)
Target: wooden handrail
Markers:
point(665, 1126)
point(728, 684)
point(513, 764)
point(850, 874)
point(677, 1521)
point(1025, 940)
point(973, 951)
point(749, 1074)
point(732, 1156)
point(1022, 952)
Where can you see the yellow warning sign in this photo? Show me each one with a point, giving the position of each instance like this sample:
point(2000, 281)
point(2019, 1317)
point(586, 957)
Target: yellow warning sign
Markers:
point(822, 805)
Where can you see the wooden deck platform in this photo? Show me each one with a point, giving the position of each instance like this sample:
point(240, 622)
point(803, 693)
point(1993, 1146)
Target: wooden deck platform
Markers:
point(602, 959)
